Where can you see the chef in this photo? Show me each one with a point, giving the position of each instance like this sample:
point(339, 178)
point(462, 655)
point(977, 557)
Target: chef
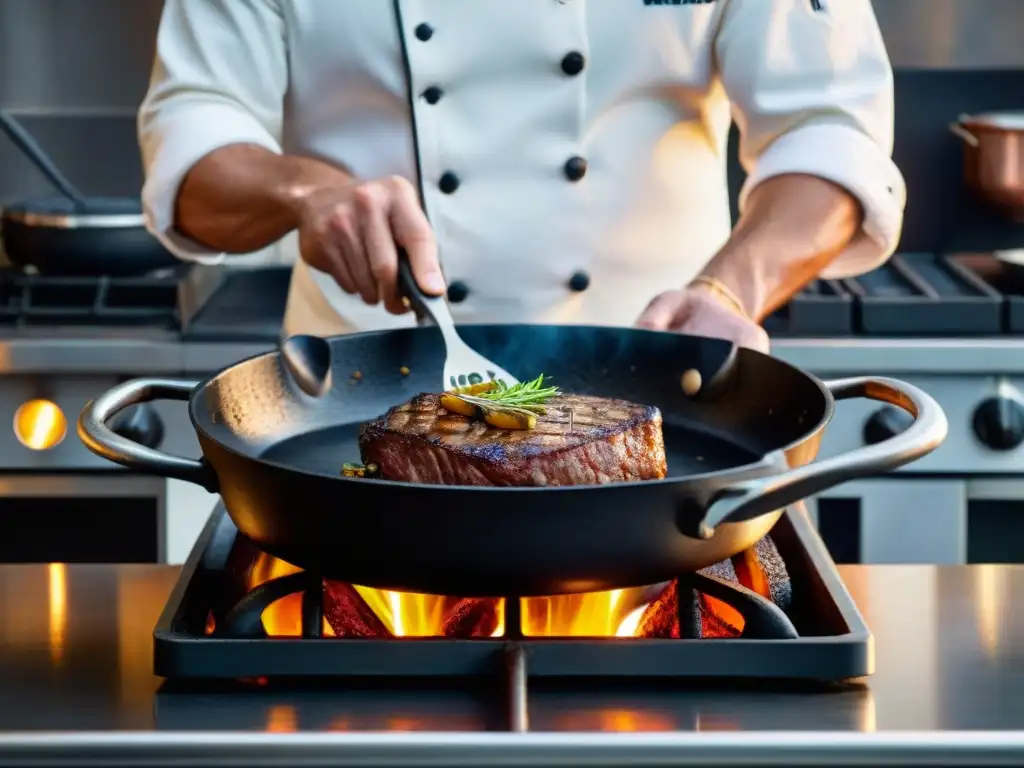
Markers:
point(541, 161)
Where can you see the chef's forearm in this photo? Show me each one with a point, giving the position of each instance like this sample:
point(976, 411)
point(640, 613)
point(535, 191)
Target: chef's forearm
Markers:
point(242, 198)
point(792, 227)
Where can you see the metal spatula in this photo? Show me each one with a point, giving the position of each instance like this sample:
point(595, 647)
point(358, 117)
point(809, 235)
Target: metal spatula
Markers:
point(463, 365)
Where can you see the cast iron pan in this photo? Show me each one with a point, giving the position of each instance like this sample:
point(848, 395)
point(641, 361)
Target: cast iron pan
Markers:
point(274, 451)
point(72, 234)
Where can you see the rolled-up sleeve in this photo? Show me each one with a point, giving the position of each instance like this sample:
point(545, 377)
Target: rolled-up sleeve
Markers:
point(219, 78)
point(812, 92)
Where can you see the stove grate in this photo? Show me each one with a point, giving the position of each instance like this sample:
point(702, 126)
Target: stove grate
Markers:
point(36, 300)
point(826, 639)
point(666, 617)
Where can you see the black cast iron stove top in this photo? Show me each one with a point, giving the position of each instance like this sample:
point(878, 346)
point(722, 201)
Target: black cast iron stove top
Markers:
point(777, 612)
point(198, 303)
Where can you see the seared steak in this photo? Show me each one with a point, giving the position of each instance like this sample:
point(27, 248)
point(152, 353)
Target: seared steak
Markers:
point(610, 441)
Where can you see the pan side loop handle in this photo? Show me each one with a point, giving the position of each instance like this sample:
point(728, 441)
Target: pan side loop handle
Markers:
point(966, 136)
point(752, 498)
point(94, 430)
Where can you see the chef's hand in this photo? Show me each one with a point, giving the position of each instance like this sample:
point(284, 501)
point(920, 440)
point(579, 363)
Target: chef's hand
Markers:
point(700, 310)
point(351, 232)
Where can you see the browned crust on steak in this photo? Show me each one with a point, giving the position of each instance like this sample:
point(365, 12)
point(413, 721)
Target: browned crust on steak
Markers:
point(610, 441)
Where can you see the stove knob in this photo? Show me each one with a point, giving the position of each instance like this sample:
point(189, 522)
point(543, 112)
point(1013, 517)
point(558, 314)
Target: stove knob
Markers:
point(999, 423)
point(140, 424)
point(885, 423)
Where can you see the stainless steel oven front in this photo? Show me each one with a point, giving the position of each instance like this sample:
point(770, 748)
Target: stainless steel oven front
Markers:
point(964, 503)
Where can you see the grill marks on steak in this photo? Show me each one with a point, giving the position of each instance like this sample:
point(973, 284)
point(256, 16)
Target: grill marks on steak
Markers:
point(610, 441)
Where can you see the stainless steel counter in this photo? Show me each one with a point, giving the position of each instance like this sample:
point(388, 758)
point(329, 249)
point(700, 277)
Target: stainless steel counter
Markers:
point(76, 688)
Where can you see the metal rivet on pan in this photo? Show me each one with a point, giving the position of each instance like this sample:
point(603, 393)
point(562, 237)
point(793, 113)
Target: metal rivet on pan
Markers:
point(691, 382)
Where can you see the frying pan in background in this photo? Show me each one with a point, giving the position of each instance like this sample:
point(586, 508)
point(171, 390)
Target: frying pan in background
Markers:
point(993, 161)
point(71, 234)
point(735, 458)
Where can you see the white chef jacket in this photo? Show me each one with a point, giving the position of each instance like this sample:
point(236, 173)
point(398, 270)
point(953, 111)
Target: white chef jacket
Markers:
point(508, 101)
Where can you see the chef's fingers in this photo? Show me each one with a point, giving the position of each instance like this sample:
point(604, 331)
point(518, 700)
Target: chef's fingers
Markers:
point(661, 312)
point(412, 231)
point(344, 231)
point(338, 269)
point(372, 203)
point(320, 252)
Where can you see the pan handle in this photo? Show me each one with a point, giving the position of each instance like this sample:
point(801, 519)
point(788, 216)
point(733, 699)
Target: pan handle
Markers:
point(752, 498)
point(95, 432)
point(958, 130)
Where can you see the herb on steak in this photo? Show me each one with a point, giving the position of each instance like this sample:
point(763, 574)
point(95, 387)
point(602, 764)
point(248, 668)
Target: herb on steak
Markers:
point(500, 405)
point(529, 395)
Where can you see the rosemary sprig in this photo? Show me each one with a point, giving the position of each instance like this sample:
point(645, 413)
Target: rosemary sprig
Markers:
point(500, 405)
point(526, 397)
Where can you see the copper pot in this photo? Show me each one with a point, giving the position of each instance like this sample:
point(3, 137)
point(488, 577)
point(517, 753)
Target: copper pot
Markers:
point(994, 158)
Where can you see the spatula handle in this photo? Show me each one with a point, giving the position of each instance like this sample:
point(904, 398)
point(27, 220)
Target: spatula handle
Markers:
point(428, 308)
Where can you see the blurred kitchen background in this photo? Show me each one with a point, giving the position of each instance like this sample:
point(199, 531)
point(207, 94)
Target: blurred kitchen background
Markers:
point(74, 74)
point(74, 71)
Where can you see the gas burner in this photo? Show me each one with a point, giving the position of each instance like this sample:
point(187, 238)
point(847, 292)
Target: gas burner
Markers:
point(779, 611)
point(743, 597)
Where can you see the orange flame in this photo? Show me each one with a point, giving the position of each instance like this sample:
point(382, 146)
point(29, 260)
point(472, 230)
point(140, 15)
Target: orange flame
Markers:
point(615, 613)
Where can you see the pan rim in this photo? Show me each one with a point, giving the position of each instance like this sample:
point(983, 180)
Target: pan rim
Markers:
point(768, 459)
